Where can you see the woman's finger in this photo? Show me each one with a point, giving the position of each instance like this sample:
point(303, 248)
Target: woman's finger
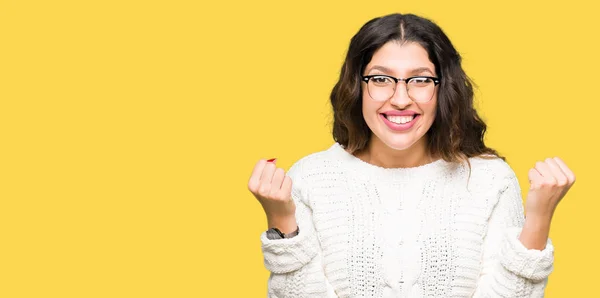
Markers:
point(254, 181)
point(557, 172)
point(563, 166)
point(286, 186)
point(545, 171)
point(267, 174)
point(535, 178)
point(277, 180)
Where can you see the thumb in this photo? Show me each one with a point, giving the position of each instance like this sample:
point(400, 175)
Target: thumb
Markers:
point(534, 178)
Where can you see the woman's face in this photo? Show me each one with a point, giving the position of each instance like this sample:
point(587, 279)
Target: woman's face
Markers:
point(400, 61)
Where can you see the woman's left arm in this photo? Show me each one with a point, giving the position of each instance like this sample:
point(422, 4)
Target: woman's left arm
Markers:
point(518, 255)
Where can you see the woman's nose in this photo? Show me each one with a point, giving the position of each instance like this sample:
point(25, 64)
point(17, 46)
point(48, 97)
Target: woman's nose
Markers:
point(400, 98)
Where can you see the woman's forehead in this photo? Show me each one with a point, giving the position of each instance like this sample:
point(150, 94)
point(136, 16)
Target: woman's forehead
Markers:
point(396, 58)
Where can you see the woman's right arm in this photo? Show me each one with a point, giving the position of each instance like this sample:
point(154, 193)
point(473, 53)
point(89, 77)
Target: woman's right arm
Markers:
point(295, 263)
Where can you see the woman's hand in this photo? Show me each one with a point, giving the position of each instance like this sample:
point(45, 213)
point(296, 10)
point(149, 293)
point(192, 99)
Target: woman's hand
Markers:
point(273, 189)
point(550, 181)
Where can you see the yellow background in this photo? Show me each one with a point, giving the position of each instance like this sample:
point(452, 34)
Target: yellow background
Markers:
point(128, 130)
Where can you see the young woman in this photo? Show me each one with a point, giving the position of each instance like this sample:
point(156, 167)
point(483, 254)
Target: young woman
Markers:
point(408, 201)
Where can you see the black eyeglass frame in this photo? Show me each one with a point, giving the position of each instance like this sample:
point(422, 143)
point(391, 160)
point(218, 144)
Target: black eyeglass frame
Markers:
point(435, 80)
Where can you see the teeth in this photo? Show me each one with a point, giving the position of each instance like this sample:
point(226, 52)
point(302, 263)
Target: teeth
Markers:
point(400, 119)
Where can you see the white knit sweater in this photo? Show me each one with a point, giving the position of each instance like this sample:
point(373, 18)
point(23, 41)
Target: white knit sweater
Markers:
point(428, 231)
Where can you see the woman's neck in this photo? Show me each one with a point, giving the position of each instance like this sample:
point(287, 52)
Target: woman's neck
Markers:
point(379, 154)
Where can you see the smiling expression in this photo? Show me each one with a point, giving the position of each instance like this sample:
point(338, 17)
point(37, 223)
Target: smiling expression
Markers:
point(399, 122)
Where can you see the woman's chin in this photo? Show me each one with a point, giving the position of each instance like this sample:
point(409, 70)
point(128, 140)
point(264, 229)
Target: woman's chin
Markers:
point(399, 144)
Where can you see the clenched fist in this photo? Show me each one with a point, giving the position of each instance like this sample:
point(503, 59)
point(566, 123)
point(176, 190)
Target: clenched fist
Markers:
point(273, 189)
point(550, 181)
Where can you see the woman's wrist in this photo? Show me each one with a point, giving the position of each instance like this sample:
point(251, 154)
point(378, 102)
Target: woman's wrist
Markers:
point(284, 224)
point(536, 229)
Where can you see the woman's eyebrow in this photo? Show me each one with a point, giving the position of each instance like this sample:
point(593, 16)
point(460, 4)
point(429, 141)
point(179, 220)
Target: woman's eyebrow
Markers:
point(380, 68)
point(390, 71)
point(421, 69)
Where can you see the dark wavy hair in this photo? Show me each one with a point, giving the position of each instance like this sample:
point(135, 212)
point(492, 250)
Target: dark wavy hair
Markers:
point(457, 132)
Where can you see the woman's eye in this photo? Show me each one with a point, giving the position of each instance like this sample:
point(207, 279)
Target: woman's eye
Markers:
point(381, 80)
point(420, 81)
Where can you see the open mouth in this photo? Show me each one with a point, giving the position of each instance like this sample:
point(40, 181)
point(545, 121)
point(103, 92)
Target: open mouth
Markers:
point(400, 119)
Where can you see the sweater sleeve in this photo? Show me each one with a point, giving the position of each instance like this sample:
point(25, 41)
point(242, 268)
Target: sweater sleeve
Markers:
point(509, 268)
point(295, 264)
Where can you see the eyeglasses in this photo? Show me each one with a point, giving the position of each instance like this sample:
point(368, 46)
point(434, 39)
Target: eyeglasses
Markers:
point(418, 88)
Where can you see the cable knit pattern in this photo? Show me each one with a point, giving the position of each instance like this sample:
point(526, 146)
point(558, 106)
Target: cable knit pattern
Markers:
point(438, 230)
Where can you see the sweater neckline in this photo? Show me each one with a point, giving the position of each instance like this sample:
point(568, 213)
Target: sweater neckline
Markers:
point(429, 170)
